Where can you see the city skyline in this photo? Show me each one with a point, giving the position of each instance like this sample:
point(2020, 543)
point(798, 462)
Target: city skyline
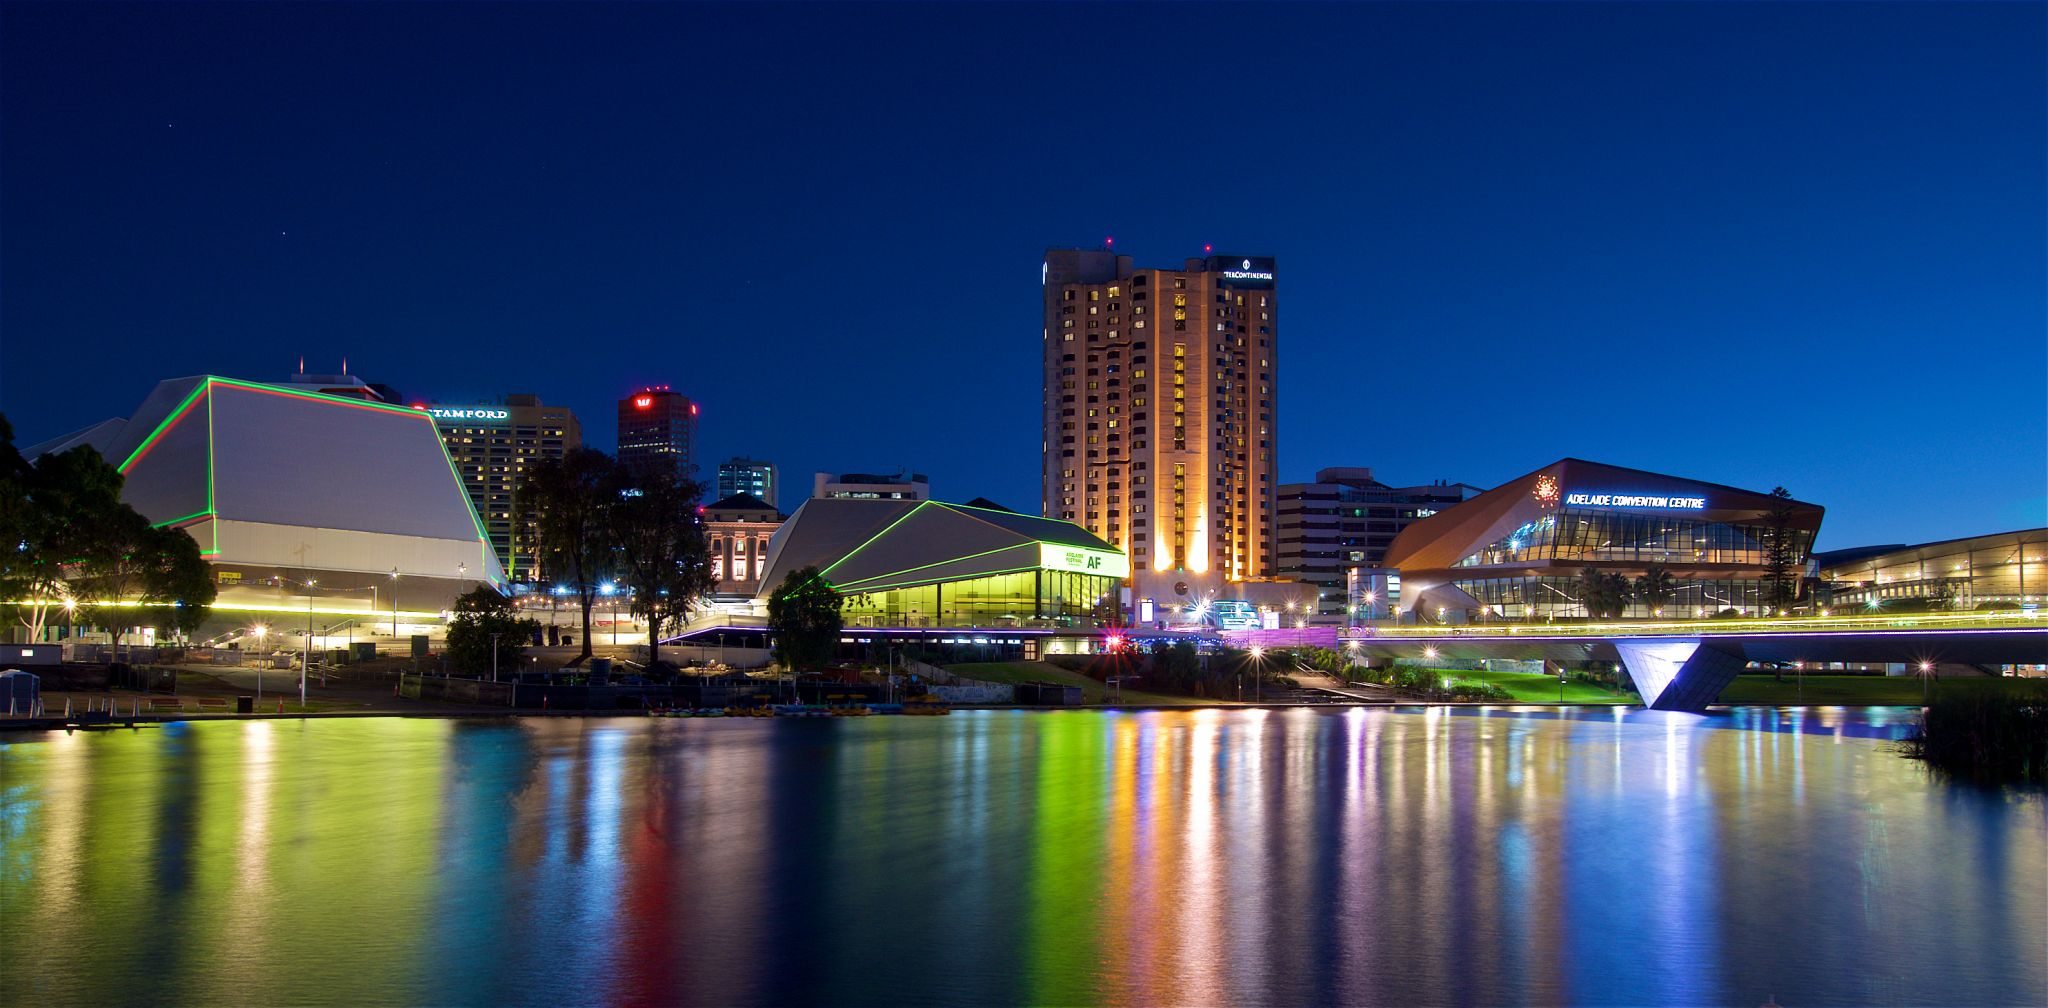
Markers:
point(1801, 248)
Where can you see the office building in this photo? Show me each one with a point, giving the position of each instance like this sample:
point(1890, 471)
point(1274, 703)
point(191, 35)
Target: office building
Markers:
point(657, 430)
point(2001, 571)
point(1658, 546)
point(737, 530)
point(1160, 423)
point(908, 486)
point(491, 446)
point(748, 476)
point(1335, 531)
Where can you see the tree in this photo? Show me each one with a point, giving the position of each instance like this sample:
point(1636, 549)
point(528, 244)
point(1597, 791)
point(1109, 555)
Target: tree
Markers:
point(1654, 588)
point(804, 619)
point(573, 497)
point(1781, 552)
point(74, 539)
point(662, 555)
point(1603, 594)
point(485, 620)
point(179, 577)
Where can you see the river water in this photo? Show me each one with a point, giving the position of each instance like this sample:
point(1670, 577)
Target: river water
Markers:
point(1284, 857)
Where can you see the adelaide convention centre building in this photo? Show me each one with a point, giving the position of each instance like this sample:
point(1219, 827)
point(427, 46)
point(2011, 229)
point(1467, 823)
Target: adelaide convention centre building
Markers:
point(1518, 552)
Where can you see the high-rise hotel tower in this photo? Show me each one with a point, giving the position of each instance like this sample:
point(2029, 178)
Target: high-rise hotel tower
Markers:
point(1160, 418)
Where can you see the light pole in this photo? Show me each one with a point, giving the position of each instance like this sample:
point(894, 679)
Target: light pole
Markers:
point(394, 607)
point(261, 660)
point(307, 658)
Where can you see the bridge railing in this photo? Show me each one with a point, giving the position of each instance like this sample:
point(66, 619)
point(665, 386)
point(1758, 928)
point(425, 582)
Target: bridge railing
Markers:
point(1709, 625)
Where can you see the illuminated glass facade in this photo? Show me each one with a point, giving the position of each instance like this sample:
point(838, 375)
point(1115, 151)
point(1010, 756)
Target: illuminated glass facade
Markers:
point(1608, 536)
point(1035, 598)
point(1993, 571)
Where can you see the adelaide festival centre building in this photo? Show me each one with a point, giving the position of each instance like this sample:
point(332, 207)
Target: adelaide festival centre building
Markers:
point(1517, 552)
point(306, 504)
point(942, 576)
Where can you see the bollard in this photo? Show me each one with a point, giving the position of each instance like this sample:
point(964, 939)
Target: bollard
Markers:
point(280, 705)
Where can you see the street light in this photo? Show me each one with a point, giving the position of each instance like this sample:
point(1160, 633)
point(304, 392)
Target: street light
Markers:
point(261, 658)
point(394, 607)
point(307, 659)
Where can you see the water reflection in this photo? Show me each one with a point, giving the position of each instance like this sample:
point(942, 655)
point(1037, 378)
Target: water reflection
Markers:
point(1428, 856)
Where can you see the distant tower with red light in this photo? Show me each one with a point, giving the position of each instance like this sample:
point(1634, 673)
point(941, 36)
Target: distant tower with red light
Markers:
point(657, 429)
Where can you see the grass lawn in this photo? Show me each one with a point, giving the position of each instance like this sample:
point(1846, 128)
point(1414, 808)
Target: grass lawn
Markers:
point(1855, 690)
point(1091, 691)
point(1540, 688)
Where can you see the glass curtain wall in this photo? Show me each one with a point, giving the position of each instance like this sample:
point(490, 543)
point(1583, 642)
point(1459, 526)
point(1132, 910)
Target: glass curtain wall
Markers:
point(1542, 598)
point(1033, 598)
point(1630, 538)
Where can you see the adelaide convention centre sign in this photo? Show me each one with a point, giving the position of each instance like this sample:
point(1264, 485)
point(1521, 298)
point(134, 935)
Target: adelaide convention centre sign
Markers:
point(1577, 499)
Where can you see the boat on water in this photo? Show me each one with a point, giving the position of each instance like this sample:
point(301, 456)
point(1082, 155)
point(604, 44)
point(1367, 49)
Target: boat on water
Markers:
point(926, 706)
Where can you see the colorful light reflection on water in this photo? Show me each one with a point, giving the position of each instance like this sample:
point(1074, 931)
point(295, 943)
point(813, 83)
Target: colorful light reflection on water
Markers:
point(1423, 856)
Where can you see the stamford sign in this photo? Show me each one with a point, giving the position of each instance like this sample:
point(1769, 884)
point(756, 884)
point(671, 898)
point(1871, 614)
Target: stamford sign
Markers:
point(1577, 499)
point(468, 414)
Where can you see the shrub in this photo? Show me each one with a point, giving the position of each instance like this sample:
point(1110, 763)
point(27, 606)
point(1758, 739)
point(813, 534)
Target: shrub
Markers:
point(1992, 738)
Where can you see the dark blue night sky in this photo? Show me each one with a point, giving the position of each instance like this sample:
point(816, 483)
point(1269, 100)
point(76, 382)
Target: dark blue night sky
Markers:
point(1755, 244)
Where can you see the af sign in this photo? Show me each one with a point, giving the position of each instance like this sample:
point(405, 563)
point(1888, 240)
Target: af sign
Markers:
point(1081, 560)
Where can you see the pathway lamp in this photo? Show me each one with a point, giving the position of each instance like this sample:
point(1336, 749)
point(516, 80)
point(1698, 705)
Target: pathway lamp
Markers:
point(307, 658)
point(261, 659)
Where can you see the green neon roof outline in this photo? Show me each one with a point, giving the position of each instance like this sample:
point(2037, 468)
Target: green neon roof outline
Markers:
point(1057, 521)
point(211, 504)
point(871, 539)
point(182, 518)
point(164, 426)
point(483, 538)
point(941, 563)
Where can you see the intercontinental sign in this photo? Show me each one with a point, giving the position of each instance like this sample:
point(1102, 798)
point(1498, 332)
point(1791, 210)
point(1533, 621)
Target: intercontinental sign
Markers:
point(1577, 499)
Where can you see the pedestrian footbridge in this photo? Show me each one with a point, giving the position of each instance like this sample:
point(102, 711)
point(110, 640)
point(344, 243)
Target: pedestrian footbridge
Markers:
point(1683, 666)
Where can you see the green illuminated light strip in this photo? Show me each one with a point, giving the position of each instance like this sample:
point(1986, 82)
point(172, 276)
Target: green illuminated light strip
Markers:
point(211, 505)
point(183, 518)
point(164, 427)
point(871, 539)
point(848, 586)
point(915, 581)
point(246, 607)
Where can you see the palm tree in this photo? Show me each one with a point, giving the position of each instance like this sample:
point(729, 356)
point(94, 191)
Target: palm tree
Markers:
point(1655, 589)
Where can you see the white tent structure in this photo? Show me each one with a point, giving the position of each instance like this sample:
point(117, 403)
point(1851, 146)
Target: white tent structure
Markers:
point(300, 500)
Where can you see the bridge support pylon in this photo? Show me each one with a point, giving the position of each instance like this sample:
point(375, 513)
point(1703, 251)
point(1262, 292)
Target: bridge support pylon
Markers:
point(1680, 673)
